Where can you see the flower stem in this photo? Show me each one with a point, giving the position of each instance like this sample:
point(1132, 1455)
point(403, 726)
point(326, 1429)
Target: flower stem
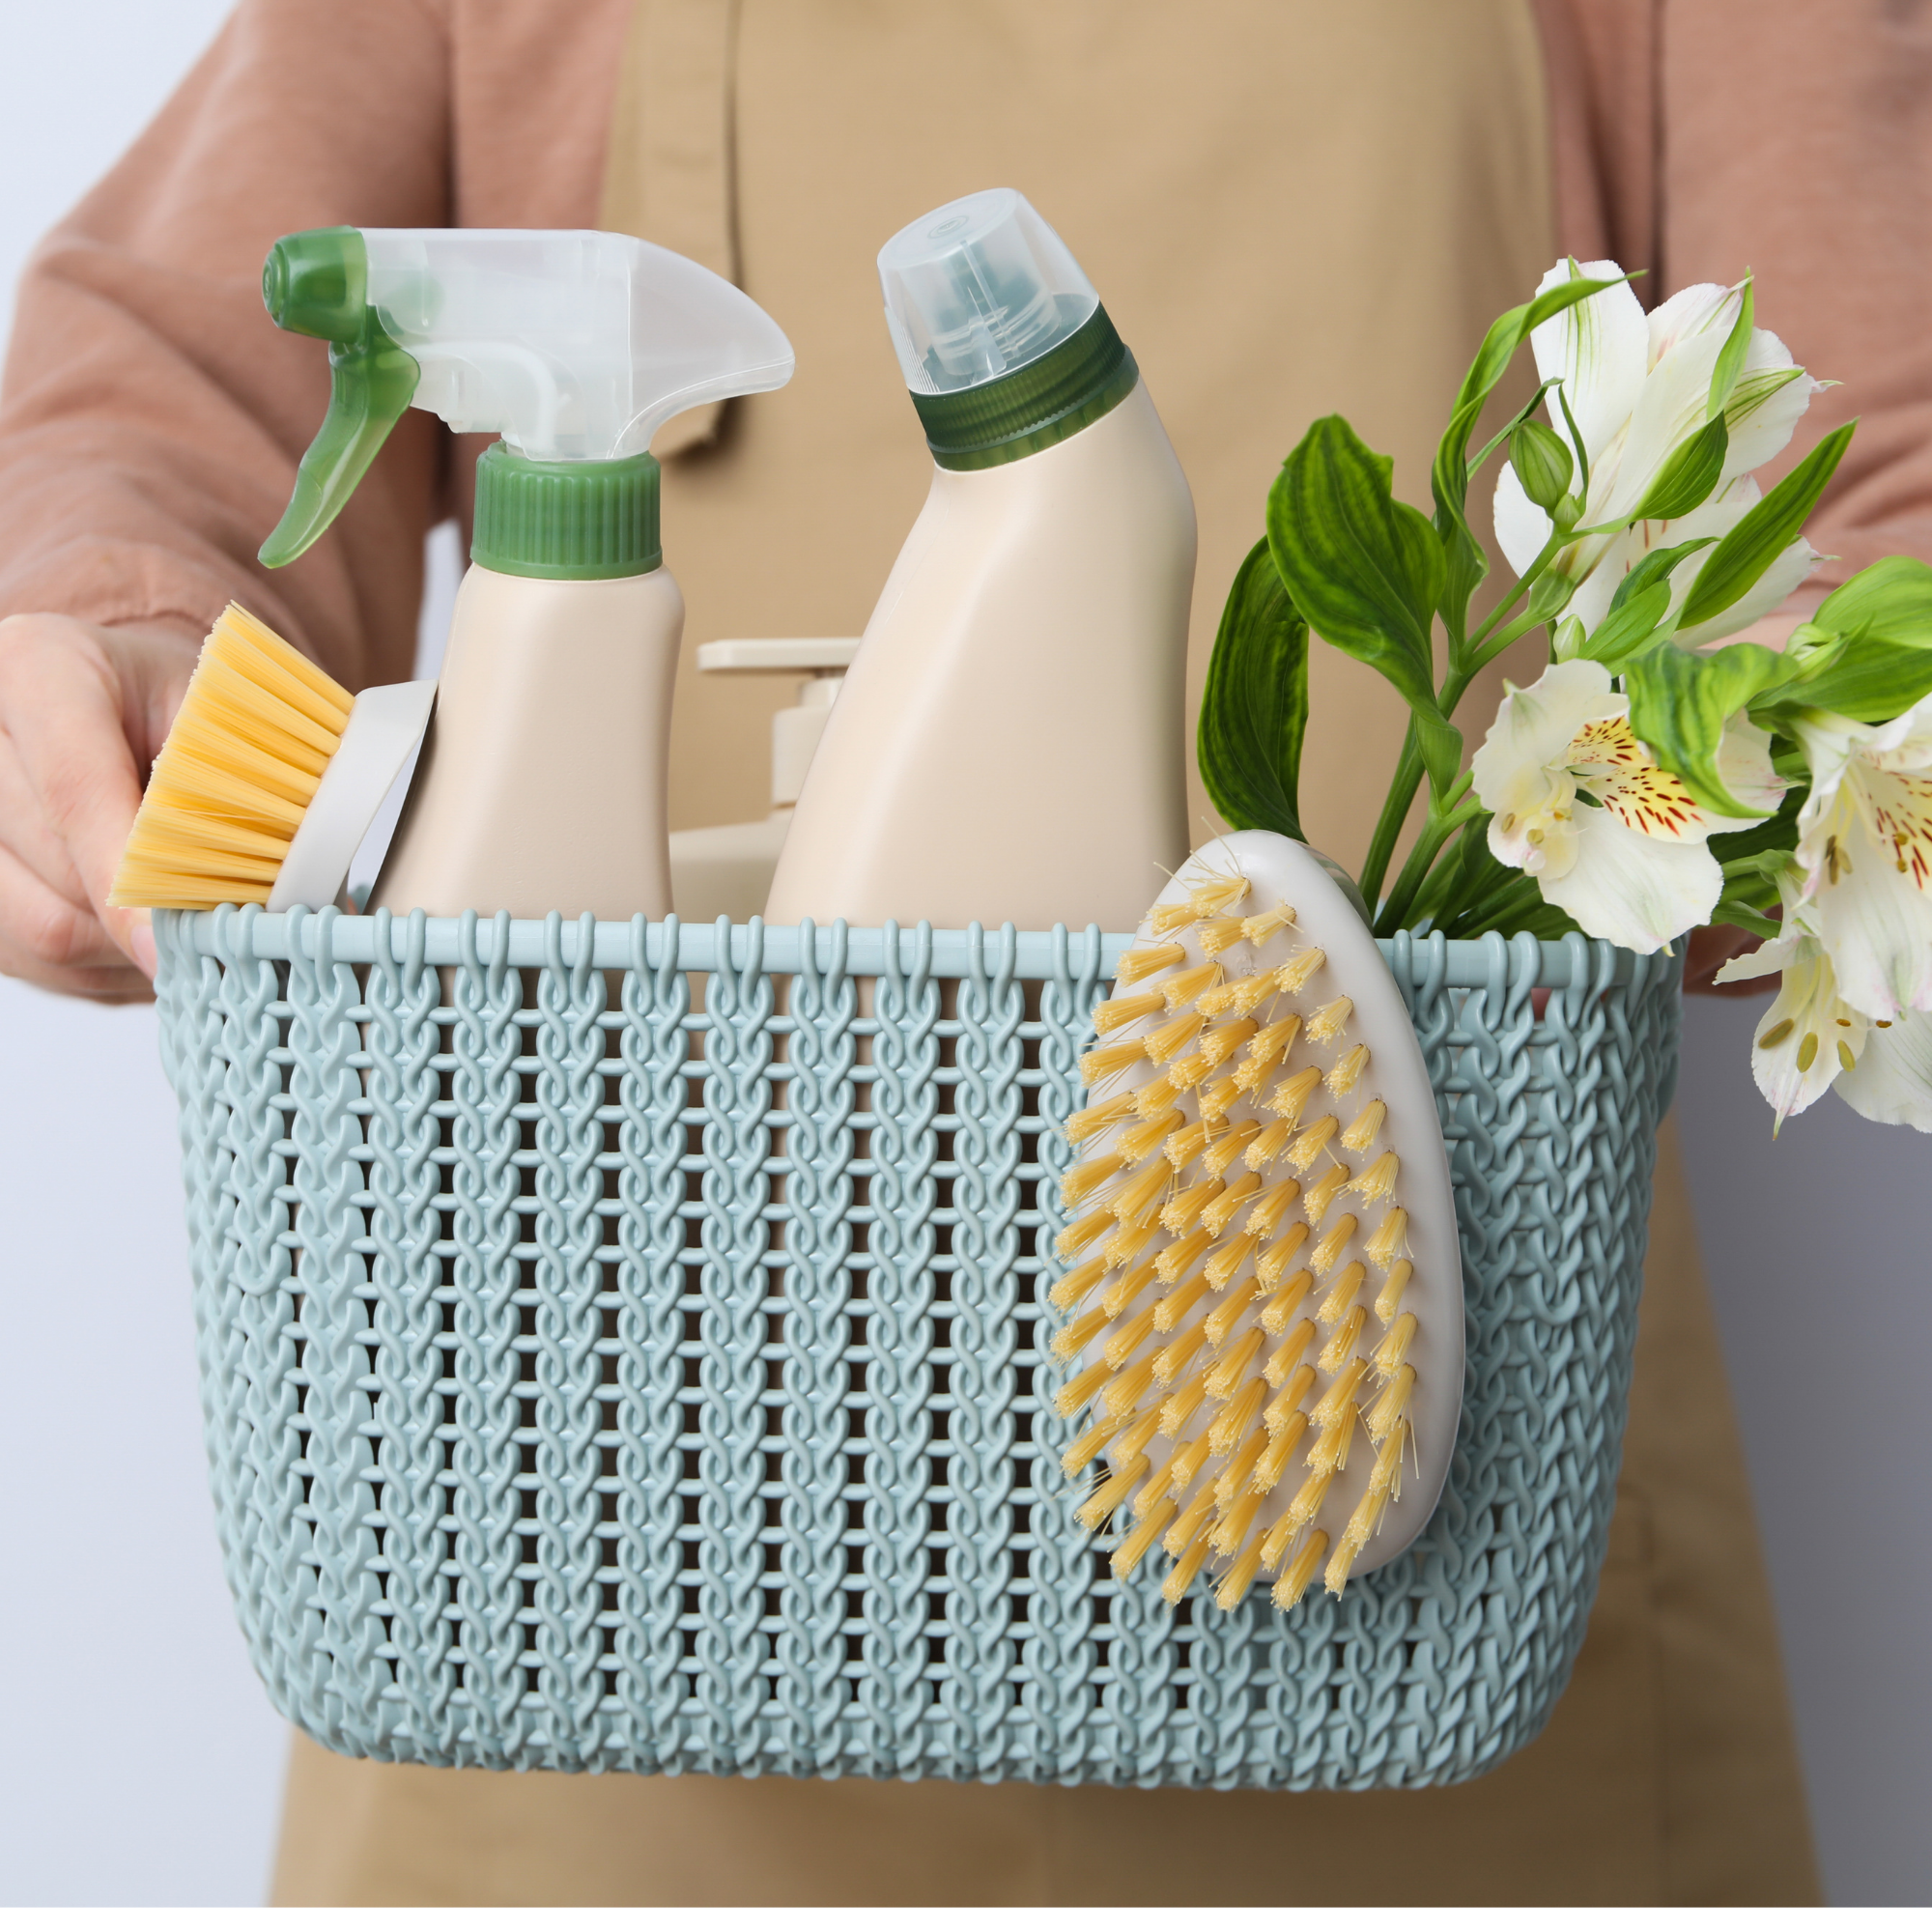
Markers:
point(1450, 815)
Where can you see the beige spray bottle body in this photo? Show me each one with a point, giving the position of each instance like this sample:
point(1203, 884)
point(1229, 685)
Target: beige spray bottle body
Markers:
point(1009, 742)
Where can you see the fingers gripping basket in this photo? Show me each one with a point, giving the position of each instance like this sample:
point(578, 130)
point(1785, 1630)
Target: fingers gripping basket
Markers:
point(556, 1419)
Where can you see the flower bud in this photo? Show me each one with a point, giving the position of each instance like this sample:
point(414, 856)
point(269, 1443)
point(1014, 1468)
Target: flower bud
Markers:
point(1543, 464)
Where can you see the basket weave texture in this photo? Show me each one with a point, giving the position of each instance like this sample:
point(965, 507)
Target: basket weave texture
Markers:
point(622, 1350)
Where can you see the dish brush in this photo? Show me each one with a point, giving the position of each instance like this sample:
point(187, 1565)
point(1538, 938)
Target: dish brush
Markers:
point(1262, 1299)
point(271, 776)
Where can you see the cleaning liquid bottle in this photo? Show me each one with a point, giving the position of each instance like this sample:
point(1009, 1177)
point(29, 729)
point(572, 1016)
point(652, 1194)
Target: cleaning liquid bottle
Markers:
point(541, 782)
point(1009, 741)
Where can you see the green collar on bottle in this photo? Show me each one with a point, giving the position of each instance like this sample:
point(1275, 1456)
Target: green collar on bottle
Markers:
point(1073, 384)
point(566, 519)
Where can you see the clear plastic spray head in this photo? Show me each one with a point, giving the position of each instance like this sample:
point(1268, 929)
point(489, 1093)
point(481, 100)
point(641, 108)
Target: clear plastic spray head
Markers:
point(979, 289)
point(576, 345)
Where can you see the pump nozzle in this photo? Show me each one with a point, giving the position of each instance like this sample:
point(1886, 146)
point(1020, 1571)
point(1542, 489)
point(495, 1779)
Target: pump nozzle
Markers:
point(574, 344)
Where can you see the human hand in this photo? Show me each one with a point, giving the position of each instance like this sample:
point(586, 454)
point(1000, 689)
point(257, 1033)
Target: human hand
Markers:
point(83, 711)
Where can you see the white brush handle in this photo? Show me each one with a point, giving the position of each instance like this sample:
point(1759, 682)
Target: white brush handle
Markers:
point(384, 726)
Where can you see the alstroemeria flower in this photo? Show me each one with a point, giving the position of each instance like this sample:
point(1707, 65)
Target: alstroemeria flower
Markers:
point(1864, 848)
point(1583, 807)
point(1638, 387)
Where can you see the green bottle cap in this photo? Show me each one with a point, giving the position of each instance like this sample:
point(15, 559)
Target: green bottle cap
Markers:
point(566, 520)
point(1058, 395)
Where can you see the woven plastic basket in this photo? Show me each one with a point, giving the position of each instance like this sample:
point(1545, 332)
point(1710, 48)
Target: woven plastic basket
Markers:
point(556, 1420)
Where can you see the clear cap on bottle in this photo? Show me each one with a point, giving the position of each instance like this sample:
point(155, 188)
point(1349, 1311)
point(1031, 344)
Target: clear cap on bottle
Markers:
point(979, 289)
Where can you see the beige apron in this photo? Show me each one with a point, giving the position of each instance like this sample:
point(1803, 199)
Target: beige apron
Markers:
point(1290, 207)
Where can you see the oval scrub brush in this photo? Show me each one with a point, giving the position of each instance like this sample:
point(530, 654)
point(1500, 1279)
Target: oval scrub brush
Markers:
point(271, 776)
point(1264, 1303)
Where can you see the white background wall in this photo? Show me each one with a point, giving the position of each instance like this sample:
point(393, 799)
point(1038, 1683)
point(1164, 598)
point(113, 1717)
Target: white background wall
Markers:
point(141, 1762)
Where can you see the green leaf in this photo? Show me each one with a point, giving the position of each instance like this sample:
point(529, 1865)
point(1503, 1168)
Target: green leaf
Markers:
point(1255, 708)
point(1631, 623)
point(1765, 532)
point(1544, 465)
point(1654, 564)
point(1731, 357)
point(1365, 570)
point(1754, 390)
point(1689, 476)
point(1889, 601)
point(1871, 682)
point(1679, 702)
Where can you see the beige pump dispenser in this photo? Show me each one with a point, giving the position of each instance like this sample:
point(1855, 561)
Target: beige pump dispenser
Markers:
point(541, 782)
point(1009, 743)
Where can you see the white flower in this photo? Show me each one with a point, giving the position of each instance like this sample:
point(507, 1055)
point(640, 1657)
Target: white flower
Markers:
point(1581, 806)
point(1638, 387)
point(1864, 848)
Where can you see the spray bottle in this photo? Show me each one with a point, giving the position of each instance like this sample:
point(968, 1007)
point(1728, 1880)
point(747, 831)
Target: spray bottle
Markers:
point(541, 782)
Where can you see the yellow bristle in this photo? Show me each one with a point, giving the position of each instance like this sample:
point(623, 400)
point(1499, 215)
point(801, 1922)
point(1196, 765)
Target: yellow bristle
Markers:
point(1157, 1097)
point(1297, 972)
point(1217, 896)
point(1330, 1452)
point(1377, 1180)
point(1128, 1337)
point(1385, 1244)
point(1303, 1155)
point(1142, 1193)
point(1222, 1151)
point(1229, 1259)
point(1243, 996)
point(1216, 935)
point(1328, 1250)
point(1273, 1462)
point(1136, 1432)
point(1227, 1201)
point(1390, 1407)
point(1321, 1194)
point(1186, 1568)
point(1183, 989)
point(1339, 1396)
point(1217, 1097)
point(1264, 925)
point(1347, 1284)
point(1265, 1052)
point(1293, 1095)
point(1341, 1345)
point(1124, 1392)
point(1179, 1260)
point(1126, 1290)
point(1183, 1403)
point(1075, 1336)
point(1284, 1412)
point(1184, 1209)
point(1172, 1309)
point(1286, 1299)
point(1129, 1238)
point(1190, 1523)
point(1362, 1130)
point(1227, 1484)
point(1083, 1232)
point(1384, 1481)
point(1088, 1446)
point(1127, 1559)
point(1072, 1289)
point(1392, 1351)
point(1164, 1042)
point(1102, 1063)
point(1221, 1323)
point(1347, 1072)
point(1125, 1010)
point(1082, 1181)
point(1099, 1118)
point(1267, 1146)
point(1266, 1214)
point(1082, 1389)
point(1216, 1001)
point(1326, 1022)
point(1215, 1047)
point(1168, 1362)
point(1111, 1495)
point(1275, 1264)
point(1307, 1504)
point(1145, 959)
point(1293, 1583)
point(1137, 1142)
point(1240, 1579)
point(1184, 1464)
point(1287, 1358)
point(1231, 1531)
point(1185, 1143)
point(1390, 1298)
point(1167, 920)
point(1231, 1366)
point(1238, 1417)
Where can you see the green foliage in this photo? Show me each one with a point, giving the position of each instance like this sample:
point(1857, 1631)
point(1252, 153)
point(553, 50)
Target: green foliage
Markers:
point(1543, 464)
point(1687, 476)
point(1254, 712)
point(1679, 702)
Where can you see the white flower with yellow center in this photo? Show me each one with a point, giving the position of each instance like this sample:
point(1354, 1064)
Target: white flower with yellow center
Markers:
point(1638, 387)
point(1864, 848)
point(1580, 804)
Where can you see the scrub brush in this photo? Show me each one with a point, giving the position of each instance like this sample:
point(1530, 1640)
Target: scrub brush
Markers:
point(1263, 1302)
point(271, 776)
